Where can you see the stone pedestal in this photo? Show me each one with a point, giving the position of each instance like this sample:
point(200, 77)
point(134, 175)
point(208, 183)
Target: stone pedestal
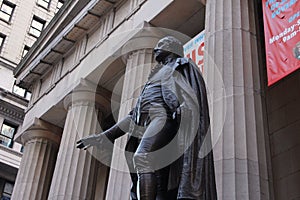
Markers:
point(233, 79)
point(76, 170)
point(138, 66)
point(41, 143)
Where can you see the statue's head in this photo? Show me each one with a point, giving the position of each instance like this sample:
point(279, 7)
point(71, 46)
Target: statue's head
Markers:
point(166, 46)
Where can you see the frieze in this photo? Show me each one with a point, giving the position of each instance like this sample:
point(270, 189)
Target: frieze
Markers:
point(11, 111)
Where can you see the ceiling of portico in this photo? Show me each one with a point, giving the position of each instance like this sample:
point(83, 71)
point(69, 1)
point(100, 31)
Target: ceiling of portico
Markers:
point(187, 17)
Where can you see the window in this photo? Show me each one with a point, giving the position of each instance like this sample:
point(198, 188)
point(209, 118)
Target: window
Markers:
point(59, 5)
point(25, 50)
point(21, 92)
point(44, 3)
point(7, 134)
point(7, 190)
point(6, 11)
point(37, 25)
point(2, 38)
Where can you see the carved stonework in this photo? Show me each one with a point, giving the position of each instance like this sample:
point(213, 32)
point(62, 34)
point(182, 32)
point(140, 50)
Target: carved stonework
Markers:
point(11, 112)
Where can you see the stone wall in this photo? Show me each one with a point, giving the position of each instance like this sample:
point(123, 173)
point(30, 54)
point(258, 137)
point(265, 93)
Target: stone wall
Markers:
point(283, 110)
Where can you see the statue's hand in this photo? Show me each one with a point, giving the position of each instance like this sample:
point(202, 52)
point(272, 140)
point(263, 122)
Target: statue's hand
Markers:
point(91, 140)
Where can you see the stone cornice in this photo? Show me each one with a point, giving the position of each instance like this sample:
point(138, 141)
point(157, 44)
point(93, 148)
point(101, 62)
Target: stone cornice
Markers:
point(14, 97)
point(13, 112)
point(11, 151)
point(4, 62)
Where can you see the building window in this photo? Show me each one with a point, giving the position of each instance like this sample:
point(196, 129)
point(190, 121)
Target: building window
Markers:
point(25, 50)
point(37, 25)
point(7, 134)
point(2, 38)
point(59, 5)
point(7, 191)
point(6, 11)
point(21, 92)
point(44, 3)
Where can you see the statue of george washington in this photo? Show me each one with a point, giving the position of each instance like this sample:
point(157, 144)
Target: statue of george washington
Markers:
point(169, 131)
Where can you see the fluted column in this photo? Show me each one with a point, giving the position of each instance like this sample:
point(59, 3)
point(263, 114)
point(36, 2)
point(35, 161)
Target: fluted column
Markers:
point(41, 143)
point(138, 66)
point(233, 77)
point(76, 170)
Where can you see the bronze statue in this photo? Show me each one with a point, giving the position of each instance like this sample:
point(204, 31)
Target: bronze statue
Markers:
point(169, 131)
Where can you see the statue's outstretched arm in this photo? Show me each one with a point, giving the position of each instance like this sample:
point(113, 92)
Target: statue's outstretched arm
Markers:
point(111, 134)
point(118, 129)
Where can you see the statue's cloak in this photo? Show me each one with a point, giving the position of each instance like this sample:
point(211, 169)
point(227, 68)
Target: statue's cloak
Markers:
point(193, 172)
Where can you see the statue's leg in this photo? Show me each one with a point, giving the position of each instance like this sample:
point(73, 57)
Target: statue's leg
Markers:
point(130, 148)
point(147, 186)
point(159, 132)
point(162, 177)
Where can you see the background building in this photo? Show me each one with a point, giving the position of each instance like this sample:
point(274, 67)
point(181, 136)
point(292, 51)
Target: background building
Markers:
point(21, 23)
point(89, 64)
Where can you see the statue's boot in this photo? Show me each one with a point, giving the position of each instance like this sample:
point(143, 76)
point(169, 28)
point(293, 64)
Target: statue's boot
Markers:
point(162, 196)
point(147, 186)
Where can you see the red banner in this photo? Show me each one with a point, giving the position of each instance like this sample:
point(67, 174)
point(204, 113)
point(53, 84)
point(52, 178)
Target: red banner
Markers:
point(282, 37)
point(194, 49)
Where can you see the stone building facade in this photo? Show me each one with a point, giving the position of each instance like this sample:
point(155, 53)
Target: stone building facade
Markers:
point(21, 22)
point(86, 71)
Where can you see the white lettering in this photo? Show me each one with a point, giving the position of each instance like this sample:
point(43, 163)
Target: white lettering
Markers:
point(292, 30)
point(292, 27)
point(272, 40)
point(286, 38)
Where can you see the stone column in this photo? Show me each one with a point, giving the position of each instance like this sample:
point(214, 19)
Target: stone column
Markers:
point(76, 170)
point(41, 143)
point(138, 66)
point(233, 78)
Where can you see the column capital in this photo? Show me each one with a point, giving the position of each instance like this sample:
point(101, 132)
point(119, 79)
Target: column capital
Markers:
point(40, 129)
point(146, 37)
point(89, 94)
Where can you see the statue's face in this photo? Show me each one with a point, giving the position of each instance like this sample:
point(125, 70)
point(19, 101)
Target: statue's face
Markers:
point(160, 55)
